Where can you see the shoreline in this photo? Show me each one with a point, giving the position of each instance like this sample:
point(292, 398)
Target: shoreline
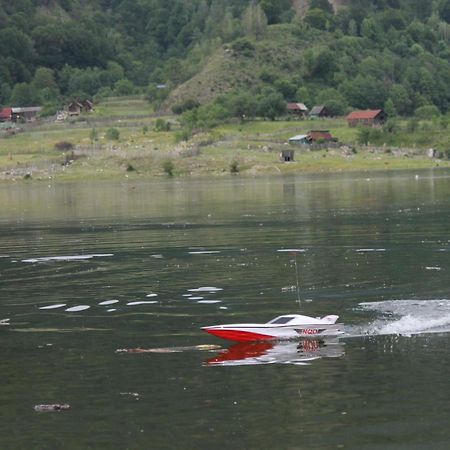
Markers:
point(275, 170)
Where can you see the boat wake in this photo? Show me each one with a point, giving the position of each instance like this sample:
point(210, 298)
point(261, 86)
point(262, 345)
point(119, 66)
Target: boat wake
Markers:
point(406, 317)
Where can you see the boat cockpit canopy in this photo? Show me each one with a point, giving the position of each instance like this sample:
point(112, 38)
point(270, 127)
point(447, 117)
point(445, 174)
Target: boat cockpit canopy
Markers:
point(282, 320)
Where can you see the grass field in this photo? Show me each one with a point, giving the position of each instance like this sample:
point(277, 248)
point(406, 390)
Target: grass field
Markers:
point(248, 148)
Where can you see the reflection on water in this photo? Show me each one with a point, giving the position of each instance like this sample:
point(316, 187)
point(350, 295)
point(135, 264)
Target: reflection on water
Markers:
point(86, 269)
point(283, 352)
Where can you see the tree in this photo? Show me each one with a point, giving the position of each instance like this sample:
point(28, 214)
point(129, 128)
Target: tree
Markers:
point(271, 104)
point(334, 101)
point(389, 108)
point(254, 20)
point(324, 5)
point(16, 44)
point(371, 29)
point(317, 18)
point(323, 65)
point(401, 99)
point(123, 87)
point(364, 92)
point(444, 10)
point(44, 84)
point(286, 88)
point(275, 10)
point(23, 95)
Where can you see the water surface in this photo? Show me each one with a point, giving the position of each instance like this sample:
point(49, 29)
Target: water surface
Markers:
point(87, 269)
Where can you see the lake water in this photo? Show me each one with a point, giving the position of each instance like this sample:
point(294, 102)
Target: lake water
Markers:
point(88, 269)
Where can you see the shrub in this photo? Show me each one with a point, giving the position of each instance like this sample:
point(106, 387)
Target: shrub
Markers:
point(168, 167)
point(183, 135)
point(162, 125)
point(186, 105)
point(234, 167)
point(412, 125)
point(367, 135)
point(112, 134)
point(123, 87)
point(243, 46)
point(64, 146)
point(427, 112)
point(93, 135)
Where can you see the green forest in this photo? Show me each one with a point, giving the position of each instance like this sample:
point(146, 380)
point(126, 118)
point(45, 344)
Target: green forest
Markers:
point(250, 57)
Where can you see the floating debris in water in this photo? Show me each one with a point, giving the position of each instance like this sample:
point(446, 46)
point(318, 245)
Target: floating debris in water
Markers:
point(108, 302)
point(433, 268)
point(196, 298)
point(141, 303)
point(292, 250)
point(206, 289)
point(157, 256)
point(202, 347)
point(4, 322)
point(209, 301)
point(152, 295)
point(58, 305)
point(288, 288)
point(78, 308)
point(66, 258)
point(111, 310)
point(204, 252)
point(52, 407)
point(364, 250)
point(131, 394)
point(187, 295)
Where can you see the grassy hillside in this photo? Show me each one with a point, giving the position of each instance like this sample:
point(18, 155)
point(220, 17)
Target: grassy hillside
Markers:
point(280, 52)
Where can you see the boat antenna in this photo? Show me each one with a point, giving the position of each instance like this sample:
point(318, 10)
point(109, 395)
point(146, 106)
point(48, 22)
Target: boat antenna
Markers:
point(297, 279)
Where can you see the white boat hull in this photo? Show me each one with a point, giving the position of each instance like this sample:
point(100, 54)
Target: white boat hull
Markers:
point(297, 326)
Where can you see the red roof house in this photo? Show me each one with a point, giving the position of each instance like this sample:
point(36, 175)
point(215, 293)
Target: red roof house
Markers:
point(320, 135)
point(5, 115)
point(369, 117)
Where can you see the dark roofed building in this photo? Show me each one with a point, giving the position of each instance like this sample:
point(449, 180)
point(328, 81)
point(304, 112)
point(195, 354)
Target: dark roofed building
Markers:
point(369, 118)
point(319, 111)
point(76, 107)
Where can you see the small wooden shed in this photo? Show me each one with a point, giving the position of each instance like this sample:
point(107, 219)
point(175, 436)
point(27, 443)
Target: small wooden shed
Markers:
point(319, 112)
point(300, 139)
point(299, 109)
point(287, 155)
point(76, 107)
point(26, 113)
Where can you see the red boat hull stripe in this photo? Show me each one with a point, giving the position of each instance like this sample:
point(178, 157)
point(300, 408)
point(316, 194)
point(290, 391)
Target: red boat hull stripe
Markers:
point(240, 336)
